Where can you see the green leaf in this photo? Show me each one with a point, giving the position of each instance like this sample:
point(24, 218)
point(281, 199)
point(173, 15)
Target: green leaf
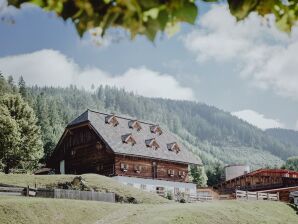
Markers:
point(186, 13)
point(152, 29)
point(163, 18)
point(241, 8)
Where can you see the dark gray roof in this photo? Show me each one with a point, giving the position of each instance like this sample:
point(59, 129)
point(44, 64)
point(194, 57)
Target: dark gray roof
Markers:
point(113, 137)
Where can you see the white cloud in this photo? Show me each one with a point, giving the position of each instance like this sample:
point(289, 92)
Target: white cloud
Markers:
point(262, 54)
point(51, 68)
point(258, 120)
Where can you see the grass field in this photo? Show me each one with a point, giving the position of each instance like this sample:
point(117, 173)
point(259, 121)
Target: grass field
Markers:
point(97, 182)
point(23, 210)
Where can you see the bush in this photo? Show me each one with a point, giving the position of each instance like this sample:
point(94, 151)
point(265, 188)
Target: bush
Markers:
point(169, 195)
point(182, 200)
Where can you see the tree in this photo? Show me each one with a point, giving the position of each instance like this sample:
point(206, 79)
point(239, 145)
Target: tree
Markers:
point(214, 174)
point(4, 86)
point(292, 163)
point(147, 17)
point(22, 87)
point(9, 141)
point(21, 145)
point(198, 175)
point(11, 83)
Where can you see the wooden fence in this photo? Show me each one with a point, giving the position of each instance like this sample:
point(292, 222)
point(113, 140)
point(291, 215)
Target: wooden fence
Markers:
point(57, 193)
point(84, 195)
point(256, 195)
point(14, 191)
point(197, 197)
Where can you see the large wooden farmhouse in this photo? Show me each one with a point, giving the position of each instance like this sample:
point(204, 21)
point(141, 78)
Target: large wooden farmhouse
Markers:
point(134, 152)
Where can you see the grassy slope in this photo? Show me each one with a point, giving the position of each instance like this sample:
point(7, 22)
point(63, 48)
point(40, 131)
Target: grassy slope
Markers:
point(97, 182)
point(40, 210)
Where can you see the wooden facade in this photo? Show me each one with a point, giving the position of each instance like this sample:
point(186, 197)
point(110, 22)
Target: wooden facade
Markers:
point(150, 168)
point(83, 152)
point(258, 180)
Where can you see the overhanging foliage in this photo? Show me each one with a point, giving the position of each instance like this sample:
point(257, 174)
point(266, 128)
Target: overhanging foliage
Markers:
point(148, 17)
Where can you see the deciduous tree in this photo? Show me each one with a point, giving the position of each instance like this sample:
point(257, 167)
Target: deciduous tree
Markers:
point(292, 163)
point(198, 175)
point(21, 145)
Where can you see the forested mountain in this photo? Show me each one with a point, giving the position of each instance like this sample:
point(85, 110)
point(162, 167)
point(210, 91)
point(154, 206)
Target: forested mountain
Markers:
point(289, 137)
point(212, 134)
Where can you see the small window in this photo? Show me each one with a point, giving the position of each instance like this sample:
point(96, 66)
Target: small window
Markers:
point(73, 152)
point(124, 167)
point(138, 168)
point(181, 173)
point(171, 172)
point(99, 167)
point(98, 146)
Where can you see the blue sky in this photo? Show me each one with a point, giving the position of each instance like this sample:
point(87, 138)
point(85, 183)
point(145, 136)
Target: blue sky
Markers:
point(230, 65)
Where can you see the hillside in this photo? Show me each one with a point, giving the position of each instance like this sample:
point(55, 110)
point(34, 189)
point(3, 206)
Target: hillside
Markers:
point(99, 183)
point(213, 134)
point(288, 137)
point(40, 210)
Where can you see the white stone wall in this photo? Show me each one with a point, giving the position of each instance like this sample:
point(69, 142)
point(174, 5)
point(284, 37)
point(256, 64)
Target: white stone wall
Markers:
point(152, 185)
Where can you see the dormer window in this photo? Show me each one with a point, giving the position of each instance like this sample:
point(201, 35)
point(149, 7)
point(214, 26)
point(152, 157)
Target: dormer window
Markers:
point(128, 139)
point(134, 124)
point(111, 119)
point(173, 147)
point(155, 129)
point(152, 143)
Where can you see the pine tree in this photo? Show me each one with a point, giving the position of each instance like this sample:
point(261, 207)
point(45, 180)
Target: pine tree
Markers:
point(18, 117)
point(4, 86)
point(11, 83)
point(22, 87)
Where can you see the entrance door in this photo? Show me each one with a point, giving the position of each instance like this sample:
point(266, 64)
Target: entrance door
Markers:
point(154, 170)
point(62, 167)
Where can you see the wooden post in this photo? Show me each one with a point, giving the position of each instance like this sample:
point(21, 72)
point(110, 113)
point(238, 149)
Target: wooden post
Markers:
point(257, 195)
point(267, 196)
point(277, 194)
point(247, 195)
point(27, 191)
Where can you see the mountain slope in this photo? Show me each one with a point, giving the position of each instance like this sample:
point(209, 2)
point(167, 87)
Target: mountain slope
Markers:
point(213, 134)
point(289, 137)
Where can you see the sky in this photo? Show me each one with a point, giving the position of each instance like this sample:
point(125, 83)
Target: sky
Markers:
point(248, 68)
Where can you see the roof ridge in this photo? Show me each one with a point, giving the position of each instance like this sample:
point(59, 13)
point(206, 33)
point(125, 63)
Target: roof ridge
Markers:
point(123, 117)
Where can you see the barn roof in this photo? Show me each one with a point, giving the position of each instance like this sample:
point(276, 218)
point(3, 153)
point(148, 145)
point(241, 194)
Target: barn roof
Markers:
point(112, 135)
